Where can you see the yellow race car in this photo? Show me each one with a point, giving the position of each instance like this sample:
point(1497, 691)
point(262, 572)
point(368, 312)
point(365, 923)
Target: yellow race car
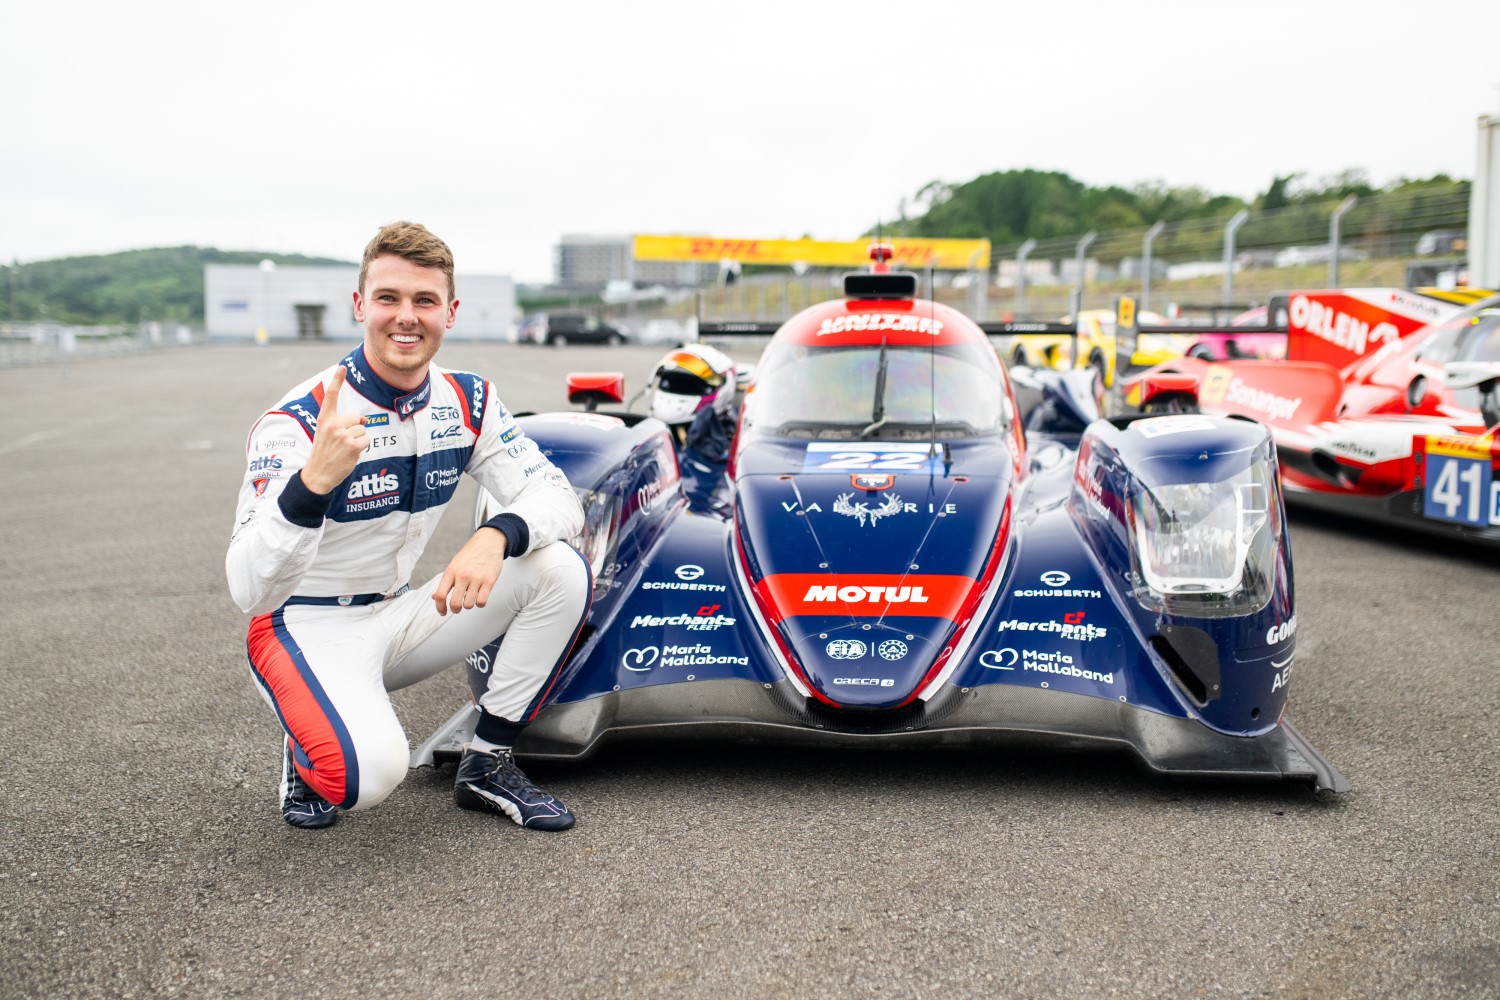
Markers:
point(1096, 345)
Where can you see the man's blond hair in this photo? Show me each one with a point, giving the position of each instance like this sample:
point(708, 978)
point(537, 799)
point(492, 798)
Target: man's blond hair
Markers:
point(411, 241)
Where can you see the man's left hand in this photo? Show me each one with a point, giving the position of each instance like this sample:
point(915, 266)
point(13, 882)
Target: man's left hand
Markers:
point(467, 581)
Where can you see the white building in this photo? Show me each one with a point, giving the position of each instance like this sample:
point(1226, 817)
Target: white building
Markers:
point(292, 302)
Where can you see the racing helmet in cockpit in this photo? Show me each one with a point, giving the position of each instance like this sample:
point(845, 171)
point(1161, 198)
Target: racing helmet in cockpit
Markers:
point(691, 379)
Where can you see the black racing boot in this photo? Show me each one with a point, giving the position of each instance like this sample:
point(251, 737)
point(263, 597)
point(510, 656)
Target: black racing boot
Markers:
point(491, 782)
point(300, 805)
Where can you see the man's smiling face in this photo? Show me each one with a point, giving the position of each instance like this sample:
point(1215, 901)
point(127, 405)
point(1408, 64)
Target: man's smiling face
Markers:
point(405, 311)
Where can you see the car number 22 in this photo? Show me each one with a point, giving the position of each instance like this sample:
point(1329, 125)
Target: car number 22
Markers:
point(895, 461)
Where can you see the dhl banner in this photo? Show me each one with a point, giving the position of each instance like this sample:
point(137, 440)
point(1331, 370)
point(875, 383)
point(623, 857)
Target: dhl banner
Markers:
point(954, 255)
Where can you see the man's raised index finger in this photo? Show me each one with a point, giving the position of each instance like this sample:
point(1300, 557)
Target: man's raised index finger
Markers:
point(331, 394)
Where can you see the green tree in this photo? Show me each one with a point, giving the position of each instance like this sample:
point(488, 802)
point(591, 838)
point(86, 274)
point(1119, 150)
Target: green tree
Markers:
point(159, 284)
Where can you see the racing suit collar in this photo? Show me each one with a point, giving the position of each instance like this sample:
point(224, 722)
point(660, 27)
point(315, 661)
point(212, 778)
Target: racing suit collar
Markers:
point(379, 392)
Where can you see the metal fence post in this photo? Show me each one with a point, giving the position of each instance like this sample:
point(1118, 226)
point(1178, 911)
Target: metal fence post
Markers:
point(1021, 255)
point(978, 290)
point(1484, 207)
point(1333, 239)
point(1083, 247)
point(1229, 231)
point(1151, 235)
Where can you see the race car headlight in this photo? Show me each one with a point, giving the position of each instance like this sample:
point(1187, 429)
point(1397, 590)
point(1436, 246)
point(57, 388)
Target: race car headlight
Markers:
point(1206, 548)
point(597, 540)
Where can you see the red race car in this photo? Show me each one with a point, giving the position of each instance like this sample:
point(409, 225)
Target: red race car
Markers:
point(1374, 413)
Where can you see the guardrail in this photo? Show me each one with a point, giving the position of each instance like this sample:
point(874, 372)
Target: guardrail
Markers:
point(23, 344)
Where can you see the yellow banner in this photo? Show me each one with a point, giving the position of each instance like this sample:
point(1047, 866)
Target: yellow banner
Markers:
point(952, 255)
point(1458, 447)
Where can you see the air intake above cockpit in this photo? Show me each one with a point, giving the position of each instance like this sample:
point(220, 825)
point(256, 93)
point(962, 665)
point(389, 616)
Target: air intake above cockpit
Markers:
point(890, 285)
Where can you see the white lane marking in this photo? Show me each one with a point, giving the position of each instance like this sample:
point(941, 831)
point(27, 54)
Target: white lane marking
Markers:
point(33, 438)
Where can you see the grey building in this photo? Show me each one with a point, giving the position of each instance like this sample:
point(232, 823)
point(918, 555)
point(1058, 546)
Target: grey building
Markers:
point(292, 302)
point(586, 262)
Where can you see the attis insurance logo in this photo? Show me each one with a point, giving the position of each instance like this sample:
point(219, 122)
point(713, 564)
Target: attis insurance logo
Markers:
point(265, 463)
point(374, 485)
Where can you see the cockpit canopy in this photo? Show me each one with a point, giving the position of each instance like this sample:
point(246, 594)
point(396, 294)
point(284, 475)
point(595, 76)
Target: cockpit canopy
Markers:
point(1471, 335)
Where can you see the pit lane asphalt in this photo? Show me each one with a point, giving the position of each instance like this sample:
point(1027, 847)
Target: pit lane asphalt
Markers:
point(141, 853)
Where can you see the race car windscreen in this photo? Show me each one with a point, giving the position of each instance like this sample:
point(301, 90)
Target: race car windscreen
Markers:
point(876, 392)
point(1461, 336)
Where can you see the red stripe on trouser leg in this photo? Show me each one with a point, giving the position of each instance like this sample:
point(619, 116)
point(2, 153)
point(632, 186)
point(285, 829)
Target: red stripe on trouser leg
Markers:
point(302, 714)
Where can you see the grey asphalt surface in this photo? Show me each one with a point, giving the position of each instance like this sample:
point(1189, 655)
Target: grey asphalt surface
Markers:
point(141, 853)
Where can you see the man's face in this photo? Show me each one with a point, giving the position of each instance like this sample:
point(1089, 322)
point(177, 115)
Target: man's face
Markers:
point(405, 311)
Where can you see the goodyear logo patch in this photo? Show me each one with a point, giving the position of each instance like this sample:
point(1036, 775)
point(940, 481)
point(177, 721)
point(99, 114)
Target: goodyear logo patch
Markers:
point(377, 419)
point(510, 435)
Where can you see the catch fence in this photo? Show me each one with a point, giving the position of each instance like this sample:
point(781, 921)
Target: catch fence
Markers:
point(23, 344)
point(1407, 238)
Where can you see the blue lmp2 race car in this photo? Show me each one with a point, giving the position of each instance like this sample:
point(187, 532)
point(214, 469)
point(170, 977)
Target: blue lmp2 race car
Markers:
point(912, 559)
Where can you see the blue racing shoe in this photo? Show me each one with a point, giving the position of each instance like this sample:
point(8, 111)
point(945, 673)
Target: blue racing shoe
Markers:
point(491, 782)
point(300, 805)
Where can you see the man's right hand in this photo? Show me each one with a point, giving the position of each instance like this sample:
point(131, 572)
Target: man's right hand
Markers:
point(339, 440)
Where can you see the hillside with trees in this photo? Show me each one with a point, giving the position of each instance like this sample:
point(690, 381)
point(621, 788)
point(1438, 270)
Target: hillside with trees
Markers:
point(1011, 206)
point(164, 284)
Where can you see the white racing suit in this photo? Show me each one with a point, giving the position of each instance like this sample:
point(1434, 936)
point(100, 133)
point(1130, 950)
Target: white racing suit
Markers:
point(336, 624)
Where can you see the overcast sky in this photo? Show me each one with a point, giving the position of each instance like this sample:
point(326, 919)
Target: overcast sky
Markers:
point(301, 127)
